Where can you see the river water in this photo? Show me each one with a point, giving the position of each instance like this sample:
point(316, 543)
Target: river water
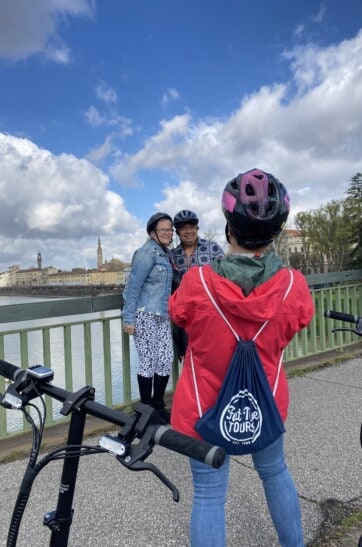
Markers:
point(35, 352)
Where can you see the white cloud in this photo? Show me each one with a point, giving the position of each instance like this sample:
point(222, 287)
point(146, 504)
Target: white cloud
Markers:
point(319, 16)
point(170, 95)
point(304, 27)
point(299, 30)
point(187, 195)
point(154, 155)
point(93, 117)
point(97, 155)
point(105, 92)
point(110, 116)
point(56, 202)
point(122, 124)
point(32, 27)
point(58, 53)
point(307, 132)
point(324, 69)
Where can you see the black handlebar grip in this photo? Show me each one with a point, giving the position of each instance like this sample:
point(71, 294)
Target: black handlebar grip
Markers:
point(341, 316)
point(9, 371)
point(188, 446)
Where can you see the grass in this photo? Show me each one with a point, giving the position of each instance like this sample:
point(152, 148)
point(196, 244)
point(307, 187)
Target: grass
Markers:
point(352, 520)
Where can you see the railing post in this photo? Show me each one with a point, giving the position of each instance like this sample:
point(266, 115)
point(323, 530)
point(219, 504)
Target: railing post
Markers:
point(68, 357)
point(87, 333)
point(3, 426)
point(126, 366)
point(107, 362)
point(47, 363)
point(24, 359)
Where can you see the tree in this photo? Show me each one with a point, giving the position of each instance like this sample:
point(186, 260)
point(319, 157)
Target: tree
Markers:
point(325, 235)
point(353, 212)
point(331, 236)
point(304, 225)
point(297, 261)
point(210, 234)
point(281, 247)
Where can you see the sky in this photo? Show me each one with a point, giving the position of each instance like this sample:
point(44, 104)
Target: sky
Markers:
point(112, 110)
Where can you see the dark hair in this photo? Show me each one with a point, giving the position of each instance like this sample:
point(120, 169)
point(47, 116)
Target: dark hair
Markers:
point(241, 241)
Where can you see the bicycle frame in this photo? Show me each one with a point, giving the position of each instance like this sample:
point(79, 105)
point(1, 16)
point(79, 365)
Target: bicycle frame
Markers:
point(60, 520)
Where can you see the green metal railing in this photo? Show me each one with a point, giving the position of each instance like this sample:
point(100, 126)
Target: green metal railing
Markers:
point(91, 346)
point(318, 336)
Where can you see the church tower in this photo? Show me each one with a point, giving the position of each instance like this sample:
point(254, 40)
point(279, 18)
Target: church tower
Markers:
point(39, 261)
point(99, 255)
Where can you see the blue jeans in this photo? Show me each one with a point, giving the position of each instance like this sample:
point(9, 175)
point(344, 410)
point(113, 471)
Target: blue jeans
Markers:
point(207, 527)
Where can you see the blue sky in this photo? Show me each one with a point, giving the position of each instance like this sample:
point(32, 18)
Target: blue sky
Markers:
point(112, 110)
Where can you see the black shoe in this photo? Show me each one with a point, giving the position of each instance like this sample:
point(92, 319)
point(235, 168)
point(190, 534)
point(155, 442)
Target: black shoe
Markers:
point(163, 412)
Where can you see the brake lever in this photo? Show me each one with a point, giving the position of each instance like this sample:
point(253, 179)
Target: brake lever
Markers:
point(142, 466)
point(355, 331)
point(132, 456)
point(135, 454)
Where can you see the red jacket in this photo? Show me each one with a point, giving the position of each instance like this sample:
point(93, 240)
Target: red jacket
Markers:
point(213, 343)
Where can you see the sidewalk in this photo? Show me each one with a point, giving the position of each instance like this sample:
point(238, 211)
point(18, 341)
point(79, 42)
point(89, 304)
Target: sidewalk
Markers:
point(116, 507)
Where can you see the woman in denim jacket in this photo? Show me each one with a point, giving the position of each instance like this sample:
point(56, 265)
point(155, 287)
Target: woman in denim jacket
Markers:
point(145, 313)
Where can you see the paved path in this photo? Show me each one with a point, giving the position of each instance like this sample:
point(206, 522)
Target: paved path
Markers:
point(116, 507)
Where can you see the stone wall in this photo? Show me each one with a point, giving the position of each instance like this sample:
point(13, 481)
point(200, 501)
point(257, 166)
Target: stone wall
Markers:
point(62, 290)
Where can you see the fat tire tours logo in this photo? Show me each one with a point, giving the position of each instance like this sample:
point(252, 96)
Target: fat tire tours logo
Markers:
point(241, 419)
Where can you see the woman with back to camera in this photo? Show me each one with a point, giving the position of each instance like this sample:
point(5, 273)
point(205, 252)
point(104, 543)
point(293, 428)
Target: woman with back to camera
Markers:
point(249, 284)
point(145, 313)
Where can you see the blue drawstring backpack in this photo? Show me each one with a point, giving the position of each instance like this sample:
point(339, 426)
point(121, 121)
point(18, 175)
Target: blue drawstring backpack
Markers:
point(244, 418)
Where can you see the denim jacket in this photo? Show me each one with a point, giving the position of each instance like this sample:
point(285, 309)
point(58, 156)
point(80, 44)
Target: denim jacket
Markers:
point(149, 284)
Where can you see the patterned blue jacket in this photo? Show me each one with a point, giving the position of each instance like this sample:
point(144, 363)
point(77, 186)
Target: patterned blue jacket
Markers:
point(205, 252)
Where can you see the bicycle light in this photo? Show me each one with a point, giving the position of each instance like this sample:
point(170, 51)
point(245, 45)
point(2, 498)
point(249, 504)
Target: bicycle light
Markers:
point(113, 445)
point(13, 400)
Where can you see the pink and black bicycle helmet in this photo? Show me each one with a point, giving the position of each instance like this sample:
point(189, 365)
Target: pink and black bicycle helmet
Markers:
point(256, 206)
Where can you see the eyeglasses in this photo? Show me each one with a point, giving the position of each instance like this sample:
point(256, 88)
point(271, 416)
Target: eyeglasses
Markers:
point(165, 231)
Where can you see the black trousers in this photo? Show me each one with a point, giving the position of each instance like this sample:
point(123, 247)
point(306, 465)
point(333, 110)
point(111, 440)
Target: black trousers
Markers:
point(180, 341)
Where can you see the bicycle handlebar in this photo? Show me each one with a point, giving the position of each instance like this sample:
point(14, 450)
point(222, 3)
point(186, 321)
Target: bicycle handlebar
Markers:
point(341, 316)
point(162, 435)
point(9, 371)
point(200, 450)
point(349, 318)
